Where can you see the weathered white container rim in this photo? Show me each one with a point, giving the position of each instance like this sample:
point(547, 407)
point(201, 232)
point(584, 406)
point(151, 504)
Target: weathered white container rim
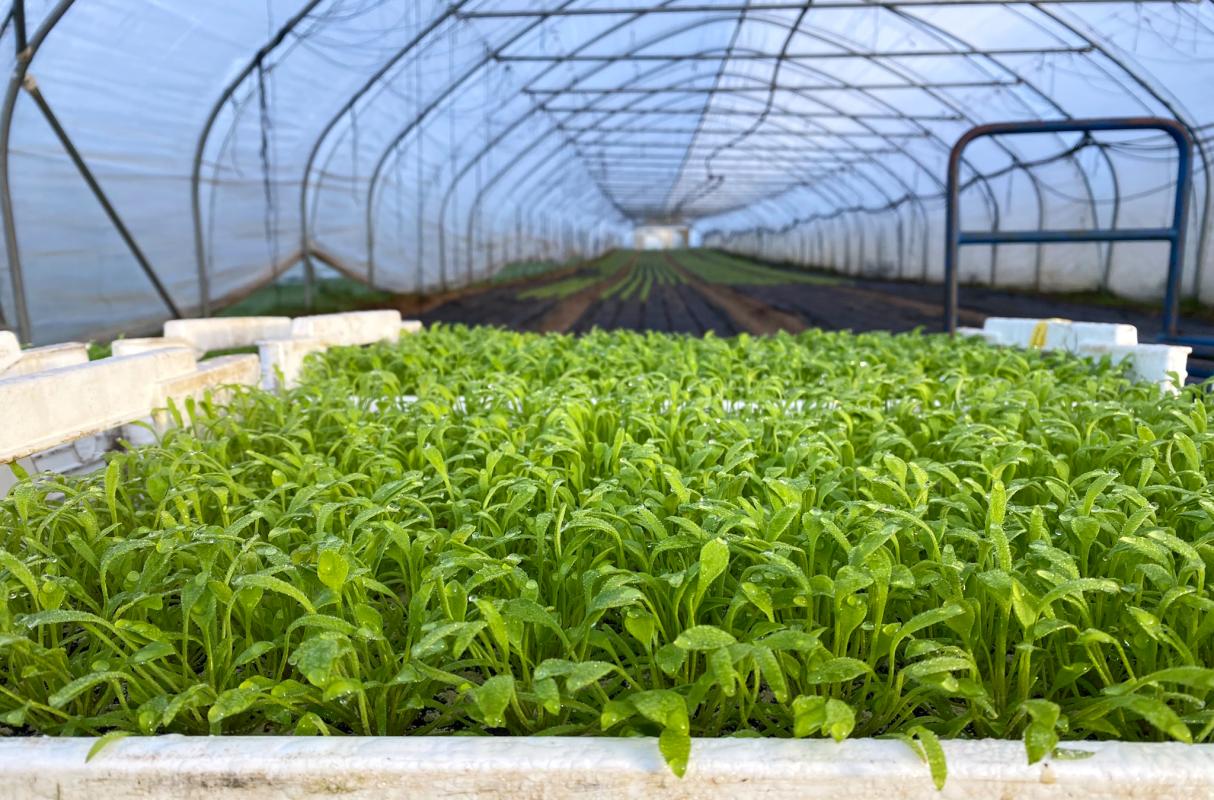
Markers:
point(248, 768)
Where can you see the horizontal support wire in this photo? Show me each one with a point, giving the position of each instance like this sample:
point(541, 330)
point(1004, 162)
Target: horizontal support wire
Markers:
point(768, 89)
point(751, 114)
point(748, 56)
point(511, 13)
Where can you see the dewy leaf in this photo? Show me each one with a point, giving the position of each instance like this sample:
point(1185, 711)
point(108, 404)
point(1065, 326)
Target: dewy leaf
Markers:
point(272, 584)
point(152, 652)
point(332, 569)
point(837, 670)
point(670, 658)
point(714, 558)
point(772, 672)
point(927, 745)
point(664, 707)
point(531, 612)
point(104, 742)
point(809, 715)
point(83, 684)
point(615, 598)
point(840, 719)
point(675, 747)
point(1160, 716)
point(253, 652)
point(704, 637)
point(548, 695)
point(584, 674)
point(492, 697)
point(232, 702)
point(1041, 734)
point(760, 597)
point(317, 657)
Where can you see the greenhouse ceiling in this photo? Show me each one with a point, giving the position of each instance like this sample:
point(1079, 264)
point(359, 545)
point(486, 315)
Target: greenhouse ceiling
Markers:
point(423, 145)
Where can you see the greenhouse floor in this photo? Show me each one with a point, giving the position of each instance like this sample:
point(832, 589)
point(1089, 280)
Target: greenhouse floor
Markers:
point(699, 291)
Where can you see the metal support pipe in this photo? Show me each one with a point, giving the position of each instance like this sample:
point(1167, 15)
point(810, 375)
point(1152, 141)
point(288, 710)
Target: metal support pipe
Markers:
point(31, 88)
point(581, 11)
point(12, 249)
point(1175, 235)
point(814, 87)
point(19, 26)
point(347, 107)
point(748, 56)
point(204, 289)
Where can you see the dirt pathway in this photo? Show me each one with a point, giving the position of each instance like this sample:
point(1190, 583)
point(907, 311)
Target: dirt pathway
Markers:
point(746, 313)
point(964, 315)
point(412, 305)
point(569, 310)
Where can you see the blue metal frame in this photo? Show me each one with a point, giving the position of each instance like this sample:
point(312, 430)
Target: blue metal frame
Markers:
point(1175, 235)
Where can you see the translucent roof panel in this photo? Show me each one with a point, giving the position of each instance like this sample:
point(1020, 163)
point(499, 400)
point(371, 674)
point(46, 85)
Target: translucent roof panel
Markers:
point(422, 146)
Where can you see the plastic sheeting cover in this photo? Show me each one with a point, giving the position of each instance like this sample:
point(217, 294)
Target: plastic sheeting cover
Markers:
point(423, 145)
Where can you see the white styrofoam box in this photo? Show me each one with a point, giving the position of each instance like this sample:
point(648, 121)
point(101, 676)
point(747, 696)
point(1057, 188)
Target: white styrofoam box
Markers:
point(222, 333)
point(586, 768)
point(350, 328)
point(1083, 333)
point(1020, 331)
point(410, 325)
point(131, 347)
point(1010, 330)
point(211, 375)
point(1150, 362)
point(41, 359)
point(74, 458)
point(10, 348)
point(285, 358)
point(214, 375)
point(49, 408)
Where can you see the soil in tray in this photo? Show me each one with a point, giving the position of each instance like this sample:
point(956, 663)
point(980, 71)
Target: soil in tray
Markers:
point(493, 307)
point(677, 309)
point(855, 303)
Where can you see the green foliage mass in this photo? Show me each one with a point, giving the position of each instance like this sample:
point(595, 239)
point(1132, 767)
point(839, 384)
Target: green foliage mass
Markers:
point(814, 535)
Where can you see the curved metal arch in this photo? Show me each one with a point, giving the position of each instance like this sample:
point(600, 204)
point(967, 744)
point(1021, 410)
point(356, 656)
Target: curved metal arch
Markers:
point(545, 182)
point(991, 202)
point(1010, 169)
point(279, 37)
point(795, 65)
point(12, 249)
point(1048, 98)
point(416, 121)
point(908, 74)
point(879, 189)
point(505, 132)
point(941, 35)
point(305, 244)
point(1204, 228)
point(546, 200)
point(851, 52)
point(880, 164)
point(556, 151)
point(665, 35)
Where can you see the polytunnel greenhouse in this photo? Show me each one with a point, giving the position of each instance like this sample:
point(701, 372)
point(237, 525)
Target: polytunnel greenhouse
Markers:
point(602, 398)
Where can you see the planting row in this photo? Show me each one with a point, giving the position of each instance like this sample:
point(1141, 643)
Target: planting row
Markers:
point(695, 291)
point(474, 531)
